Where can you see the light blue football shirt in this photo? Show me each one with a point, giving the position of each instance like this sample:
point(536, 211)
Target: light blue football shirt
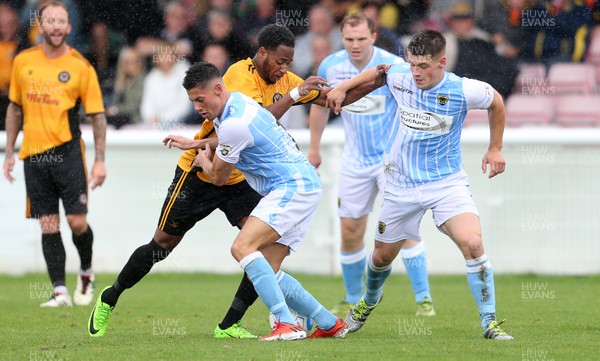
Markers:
point(267, 155)
point(425, 142)
point(368, 121)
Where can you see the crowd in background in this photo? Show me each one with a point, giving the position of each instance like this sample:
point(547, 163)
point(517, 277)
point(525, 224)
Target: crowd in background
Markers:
point(141, 49)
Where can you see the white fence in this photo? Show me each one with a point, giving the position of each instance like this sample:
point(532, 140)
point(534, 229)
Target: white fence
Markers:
point(540, 216)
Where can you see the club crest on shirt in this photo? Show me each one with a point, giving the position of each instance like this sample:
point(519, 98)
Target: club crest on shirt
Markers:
point(225, 149)
point(381, 227)
point(443, 99)
point(64, 76)
point(277, 97)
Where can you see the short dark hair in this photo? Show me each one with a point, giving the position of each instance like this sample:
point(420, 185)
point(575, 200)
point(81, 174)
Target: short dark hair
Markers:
point(200, 74)
point(273, 35)
point(427, 42)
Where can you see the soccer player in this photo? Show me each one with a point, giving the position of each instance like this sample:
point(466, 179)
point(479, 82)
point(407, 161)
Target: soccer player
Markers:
point(48, 84)
point(264, 78)
point(251, 140)
point(367, 125)
point(424, 170)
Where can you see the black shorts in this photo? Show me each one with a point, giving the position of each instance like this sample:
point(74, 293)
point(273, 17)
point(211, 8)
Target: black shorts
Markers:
point(58, 173)
point(190, 200)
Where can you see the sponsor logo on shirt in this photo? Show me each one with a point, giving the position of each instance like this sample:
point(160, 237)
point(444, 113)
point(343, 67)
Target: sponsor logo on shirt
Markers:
point(41, 98)
point(403, 90)
point(425, 121)
point(368, 105)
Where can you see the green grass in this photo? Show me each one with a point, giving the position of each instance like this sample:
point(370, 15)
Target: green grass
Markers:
point(172, 317)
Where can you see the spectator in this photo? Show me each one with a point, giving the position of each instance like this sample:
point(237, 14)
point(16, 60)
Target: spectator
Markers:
point(127, 92)
point(297, 117)
point(134, 19)
point(557, 31)
point(503, 23)
point(437, 17)
point(220, 31)
point(320, 49)
point(386, 38)
point(101, 47)
point(217, 55)
point(225, 6)
point(467, 47)
point(401, 15)
point(320, 22)
point(192, 9)
point(178, 31)
point(164, 101)
point(263, 15)
point(10, 44)
point(462, 27)
point(337, 8)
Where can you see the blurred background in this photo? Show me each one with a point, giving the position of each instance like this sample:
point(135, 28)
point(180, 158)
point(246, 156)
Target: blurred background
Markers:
point(542, 56)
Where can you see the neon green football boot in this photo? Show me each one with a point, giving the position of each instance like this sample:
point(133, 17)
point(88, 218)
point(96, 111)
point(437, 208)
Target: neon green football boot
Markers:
point(98, 322)
point(494, 332)
point(235, 331)
point(425, 308)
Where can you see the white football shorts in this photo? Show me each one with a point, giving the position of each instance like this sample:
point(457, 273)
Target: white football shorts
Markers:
point(358, 189)
point(403, 208)
point(289, 213)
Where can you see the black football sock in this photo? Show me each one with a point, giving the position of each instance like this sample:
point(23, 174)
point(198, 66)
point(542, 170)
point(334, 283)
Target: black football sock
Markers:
point(54, 253)
point(83, 242)
point(139, 264)
point(244, 298)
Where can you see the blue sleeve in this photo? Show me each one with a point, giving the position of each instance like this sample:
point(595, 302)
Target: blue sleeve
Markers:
point(322, 71)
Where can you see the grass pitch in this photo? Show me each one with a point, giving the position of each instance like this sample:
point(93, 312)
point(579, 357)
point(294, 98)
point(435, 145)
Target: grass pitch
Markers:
point(172, 317)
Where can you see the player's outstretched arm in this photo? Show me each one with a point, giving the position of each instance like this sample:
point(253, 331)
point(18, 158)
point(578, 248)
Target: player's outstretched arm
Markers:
point(337, 96)
point(317, 119)
point(493, 156)
point(363, 89)
point(14, 121)
point(98, 173)
point(355, 93)
point(282, 105)
point(184, 143)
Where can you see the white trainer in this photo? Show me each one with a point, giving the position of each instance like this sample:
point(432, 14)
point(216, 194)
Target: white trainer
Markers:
point(84, 292)
point(58, 300)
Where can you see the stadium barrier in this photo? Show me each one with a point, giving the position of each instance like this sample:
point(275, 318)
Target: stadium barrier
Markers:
point(540, 216)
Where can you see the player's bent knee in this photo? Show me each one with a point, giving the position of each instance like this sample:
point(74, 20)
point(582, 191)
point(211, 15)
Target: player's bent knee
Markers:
point(472, 248)
point(167, 244)
point(165, 240)
point(77, 223)
point(238, 251)
point(382, 258)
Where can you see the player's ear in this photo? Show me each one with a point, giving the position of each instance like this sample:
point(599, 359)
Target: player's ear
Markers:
point(442, 61)
point(218, 88)
point(262, 52)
